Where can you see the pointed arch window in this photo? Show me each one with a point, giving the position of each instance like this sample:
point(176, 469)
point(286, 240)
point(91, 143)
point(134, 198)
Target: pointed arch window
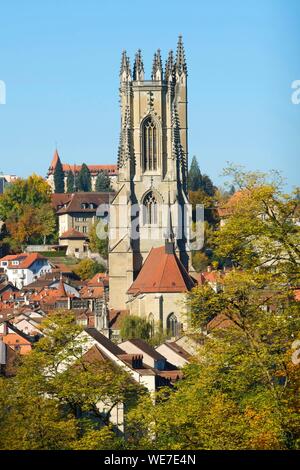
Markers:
point(150, 209)
point(149, 145)
point(173, 325)
point(151, 323)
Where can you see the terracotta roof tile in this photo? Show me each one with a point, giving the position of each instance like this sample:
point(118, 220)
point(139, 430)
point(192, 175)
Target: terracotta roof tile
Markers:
point(162, 272)
point(25, 260)
point(73, 234)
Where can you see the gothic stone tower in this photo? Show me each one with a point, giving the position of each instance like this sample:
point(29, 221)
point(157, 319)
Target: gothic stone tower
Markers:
point(152, 165)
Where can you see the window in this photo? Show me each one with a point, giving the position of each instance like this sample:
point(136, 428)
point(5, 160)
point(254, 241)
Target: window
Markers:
point(151, 322)
point(77, 228)
point(150, 209)
point(173, 326)
point(84, 229)
point(149, 145)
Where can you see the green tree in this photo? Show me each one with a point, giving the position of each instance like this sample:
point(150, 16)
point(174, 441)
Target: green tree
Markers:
point(135, 327)
point(33, 191)
point(194, 176)
point(241, 390)
point(262, 229)
point(70, 182)
point(98, 244)
point(84, 182)
point(103, 182)
point(59, 178)
point(207, 186)
point(87, 268)
point(25, 207)
point(53, 407)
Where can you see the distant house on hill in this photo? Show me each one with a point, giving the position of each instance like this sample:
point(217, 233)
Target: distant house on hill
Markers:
point(95, 170)
point(24, 268)
point(77, 213)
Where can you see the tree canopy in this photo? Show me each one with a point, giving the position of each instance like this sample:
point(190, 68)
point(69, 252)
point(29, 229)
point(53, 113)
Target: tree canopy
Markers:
point(50, 406)
point(87, 268)
point(98, 244)
point(84, 182)
point(103, 182)
point(26, 210)
point(70, 182)
point(59, 178)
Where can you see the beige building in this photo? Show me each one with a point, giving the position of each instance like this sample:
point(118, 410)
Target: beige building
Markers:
point(110, 170)
point(79, 211)
point(150, 207)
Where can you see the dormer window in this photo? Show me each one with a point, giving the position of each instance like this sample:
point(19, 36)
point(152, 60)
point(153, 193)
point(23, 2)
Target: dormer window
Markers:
point(15, 263)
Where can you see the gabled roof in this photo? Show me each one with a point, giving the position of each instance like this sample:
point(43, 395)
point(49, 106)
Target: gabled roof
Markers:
point(178, 349)
point(116, 318)
point(105, 342)
point(162, 272)
point(30, 339)
point(25, 260)
point(147, 349)
point(75, 202)
point(73, 234)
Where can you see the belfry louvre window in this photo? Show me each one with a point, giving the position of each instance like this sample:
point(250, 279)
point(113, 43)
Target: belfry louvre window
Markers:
point(150, 209)
point(149, 145)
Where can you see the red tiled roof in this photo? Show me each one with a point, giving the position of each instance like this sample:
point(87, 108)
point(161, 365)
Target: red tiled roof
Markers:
point(297, 295)
point(209, 276)
point(228, 208)
point(111, 169)
point(218, 322)
point(25, 260)
point(88, 292)
point(116, 318)
point(72, 233)
point(76, 201)
point(99, 278)
point(60, 199)
point(162, 272)
point(54, 160)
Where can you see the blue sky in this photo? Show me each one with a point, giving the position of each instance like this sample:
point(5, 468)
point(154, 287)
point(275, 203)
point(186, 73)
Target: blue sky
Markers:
point(60, 61)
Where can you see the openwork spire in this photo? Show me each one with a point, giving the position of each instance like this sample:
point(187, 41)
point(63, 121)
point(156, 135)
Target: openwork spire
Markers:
point(157, 66)
point(180, 57)
point(125, 67)
point(138, 68)
point(169, 68)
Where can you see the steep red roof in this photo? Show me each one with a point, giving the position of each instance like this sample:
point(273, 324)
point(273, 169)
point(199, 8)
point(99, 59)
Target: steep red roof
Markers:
point(162, 272)
point(54, 160)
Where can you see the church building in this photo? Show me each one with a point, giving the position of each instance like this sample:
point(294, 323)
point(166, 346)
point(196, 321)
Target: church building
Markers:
point(150, 215)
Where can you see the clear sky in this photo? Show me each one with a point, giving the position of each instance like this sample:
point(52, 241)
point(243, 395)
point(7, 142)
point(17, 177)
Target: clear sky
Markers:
point(60, 62)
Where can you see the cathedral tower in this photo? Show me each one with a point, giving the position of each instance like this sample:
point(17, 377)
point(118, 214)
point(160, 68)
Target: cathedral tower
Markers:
point(152, 167)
